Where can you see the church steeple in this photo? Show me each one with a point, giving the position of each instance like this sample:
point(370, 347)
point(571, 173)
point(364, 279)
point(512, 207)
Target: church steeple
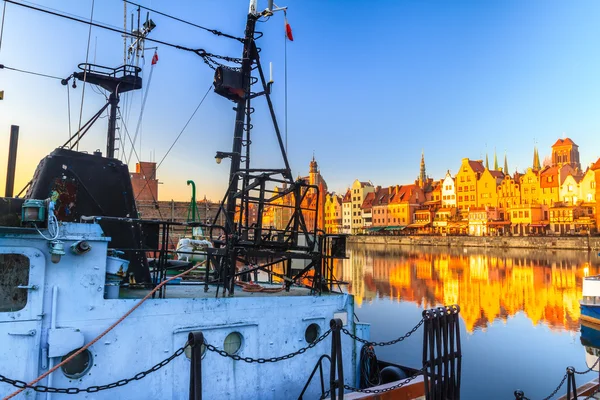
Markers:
point(487, 164)
point(536, 159)
point(495, 160)
point(422, 175)
point(505, 165)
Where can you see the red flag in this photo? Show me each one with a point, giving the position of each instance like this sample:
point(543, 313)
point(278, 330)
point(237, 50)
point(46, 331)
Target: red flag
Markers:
point(288, 31)
point(155, 58)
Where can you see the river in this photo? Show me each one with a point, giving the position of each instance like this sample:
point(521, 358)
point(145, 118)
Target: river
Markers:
point(519, 310)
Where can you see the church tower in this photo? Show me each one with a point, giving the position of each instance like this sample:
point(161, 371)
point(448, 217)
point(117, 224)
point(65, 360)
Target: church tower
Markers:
point(422, 174)
point(565, 151)
point(313, 172)
point(536, 160)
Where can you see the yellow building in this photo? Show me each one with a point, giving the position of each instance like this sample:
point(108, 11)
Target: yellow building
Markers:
point(333, 213)
point(530, 187)
point(466, 184)
point(487, 188)
point(509, 195)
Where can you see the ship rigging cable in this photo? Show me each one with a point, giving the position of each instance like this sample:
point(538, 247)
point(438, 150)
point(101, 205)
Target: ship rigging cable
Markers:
point(87, 53)
point(208, 57)
point(178, 136)
point(213, 31)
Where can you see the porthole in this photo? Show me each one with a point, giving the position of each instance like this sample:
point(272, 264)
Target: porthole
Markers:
point(78, 366)
point(232, 343)
point(312, 333)
point(188, 351)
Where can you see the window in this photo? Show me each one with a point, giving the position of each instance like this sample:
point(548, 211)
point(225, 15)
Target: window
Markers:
point(14, 271)
point(526, 214)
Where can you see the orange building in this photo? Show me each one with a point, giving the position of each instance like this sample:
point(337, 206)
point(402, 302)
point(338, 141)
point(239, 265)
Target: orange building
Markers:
point(487, 188)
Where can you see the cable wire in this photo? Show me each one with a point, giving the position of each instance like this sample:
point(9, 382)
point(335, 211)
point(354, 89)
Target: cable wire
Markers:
point(87, 53)
point(2, 66)
point(2, 26)
point(178, 136)
point(213, 31)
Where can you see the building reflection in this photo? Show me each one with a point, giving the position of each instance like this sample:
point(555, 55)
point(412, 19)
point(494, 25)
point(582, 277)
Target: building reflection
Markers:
point(488, 285)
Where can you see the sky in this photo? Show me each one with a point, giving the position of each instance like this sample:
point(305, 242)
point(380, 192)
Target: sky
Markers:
point(371, 85)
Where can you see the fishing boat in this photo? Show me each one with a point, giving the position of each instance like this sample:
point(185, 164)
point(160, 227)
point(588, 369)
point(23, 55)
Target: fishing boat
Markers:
point(590, 302)
point(85, 309)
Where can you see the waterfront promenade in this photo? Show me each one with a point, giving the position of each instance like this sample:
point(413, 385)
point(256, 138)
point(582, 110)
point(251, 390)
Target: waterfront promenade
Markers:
point(586, 243)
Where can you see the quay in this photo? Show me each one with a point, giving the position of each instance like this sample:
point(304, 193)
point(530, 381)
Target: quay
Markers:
point(585, 243)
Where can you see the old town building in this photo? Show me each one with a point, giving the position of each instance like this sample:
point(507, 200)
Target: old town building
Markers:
point(466, 184)
point(359, 192)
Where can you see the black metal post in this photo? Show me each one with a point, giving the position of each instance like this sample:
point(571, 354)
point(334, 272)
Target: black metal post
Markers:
point(336, 361)
point(240, 114)
point(196, 340)
point(519, 395)
point(12, 161)
point(112, 125)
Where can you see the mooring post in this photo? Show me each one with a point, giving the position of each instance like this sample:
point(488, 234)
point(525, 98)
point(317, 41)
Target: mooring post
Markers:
point(12, 160)
point(519, 395)
point(336, 360)
point(571, 386)
point(196, 340)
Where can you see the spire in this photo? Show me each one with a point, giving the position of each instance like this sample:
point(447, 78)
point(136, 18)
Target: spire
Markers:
point(422, 176)
point(495, 160)
point(505, 164)
point(536, 159)
point(487, 164)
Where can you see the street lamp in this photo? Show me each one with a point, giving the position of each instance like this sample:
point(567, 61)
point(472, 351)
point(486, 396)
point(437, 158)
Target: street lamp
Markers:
point(221, 155)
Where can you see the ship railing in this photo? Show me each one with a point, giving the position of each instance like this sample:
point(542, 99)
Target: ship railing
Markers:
point(441, 359)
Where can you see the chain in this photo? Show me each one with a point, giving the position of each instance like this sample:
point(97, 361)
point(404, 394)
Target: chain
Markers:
point(93, 389)
point(401, 338)
point(589, 369)
point(404, 382)
point(562, 382)
point(250, 360)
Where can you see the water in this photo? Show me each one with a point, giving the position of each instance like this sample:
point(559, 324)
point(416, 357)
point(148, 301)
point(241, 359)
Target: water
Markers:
point(519, 310)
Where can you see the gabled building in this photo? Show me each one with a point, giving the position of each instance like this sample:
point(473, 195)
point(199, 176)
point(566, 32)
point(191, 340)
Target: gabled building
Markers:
point(487, 188)
point(466, 184)
point(333, 213)
point(380, 207)
point(448, 191)
point(509, 196)
point(360, 190)
point(347, 212)
point(551, 179)
point(530, 187)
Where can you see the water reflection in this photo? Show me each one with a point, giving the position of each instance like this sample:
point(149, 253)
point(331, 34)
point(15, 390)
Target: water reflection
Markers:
point(489, 285)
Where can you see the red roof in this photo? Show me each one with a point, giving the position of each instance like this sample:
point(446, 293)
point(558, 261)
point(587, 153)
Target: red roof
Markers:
point(497, 174)
point(476, 166)
point(382, 196)
point(547, 172)
point(348, 197)
point(368, 202)
point(564, 142)
point(596, 165)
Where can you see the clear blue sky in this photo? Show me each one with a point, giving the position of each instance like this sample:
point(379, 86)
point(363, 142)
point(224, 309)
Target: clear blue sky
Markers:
point(370, 85)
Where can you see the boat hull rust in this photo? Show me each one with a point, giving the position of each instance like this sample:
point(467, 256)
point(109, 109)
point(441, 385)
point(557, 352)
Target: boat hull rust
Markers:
point(270, 325)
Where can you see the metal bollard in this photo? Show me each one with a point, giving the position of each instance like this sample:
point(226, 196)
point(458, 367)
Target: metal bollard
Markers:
point(571, 386)
point(196, 340)
point(336, 360)
point(519, 395)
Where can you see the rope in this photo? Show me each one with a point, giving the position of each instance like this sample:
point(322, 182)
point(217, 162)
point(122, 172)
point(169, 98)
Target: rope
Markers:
point(57, 366)
point(87, 53)
point(255, 288)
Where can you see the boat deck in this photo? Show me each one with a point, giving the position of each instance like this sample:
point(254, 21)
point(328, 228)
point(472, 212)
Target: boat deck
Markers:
point(587, 391)
point(188, 291)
